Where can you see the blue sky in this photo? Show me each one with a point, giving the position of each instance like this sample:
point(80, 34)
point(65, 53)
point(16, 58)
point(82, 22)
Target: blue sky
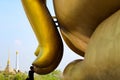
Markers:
point(16, 34)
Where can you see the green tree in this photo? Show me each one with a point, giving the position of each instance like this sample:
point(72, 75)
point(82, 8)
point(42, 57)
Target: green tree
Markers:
point(20, 76)
point(1, 76)
point(55, 75)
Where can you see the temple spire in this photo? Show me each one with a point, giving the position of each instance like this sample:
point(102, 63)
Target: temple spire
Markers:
point(8, 62)
point(16, 60)
point(8, 68)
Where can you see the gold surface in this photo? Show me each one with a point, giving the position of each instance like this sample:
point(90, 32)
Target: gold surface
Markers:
point(78, 19)
point(50, 43)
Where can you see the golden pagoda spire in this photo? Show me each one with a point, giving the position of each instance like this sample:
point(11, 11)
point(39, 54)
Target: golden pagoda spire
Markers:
point(8, 62)
point(8, 68)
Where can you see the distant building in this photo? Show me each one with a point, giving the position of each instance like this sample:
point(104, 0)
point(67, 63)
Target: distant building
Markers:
point(8, 68)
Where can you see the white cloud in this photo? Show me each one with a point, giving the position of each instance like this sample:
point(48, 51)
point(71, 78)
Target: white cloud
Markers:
point(18, 42)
